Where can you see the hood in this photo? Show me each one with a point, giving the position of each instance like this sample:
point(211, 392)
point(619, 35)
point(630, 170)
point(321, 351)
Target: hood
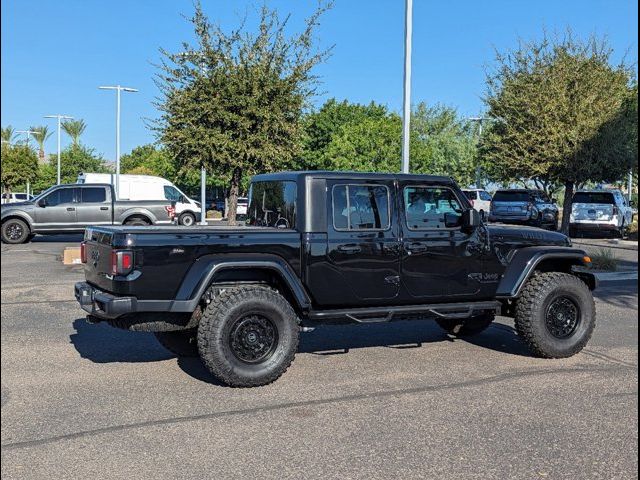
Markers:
point(17, 204)
point(518, 236)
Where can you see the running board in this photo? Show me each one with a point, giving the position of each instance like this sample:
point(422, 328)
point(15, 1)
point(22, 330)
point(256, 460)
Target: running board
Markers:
point(386, 314)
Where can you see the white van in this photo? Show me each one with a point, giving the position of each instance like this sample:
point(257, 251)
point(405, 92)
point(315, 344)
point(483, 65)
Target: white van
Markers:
point(147, 187)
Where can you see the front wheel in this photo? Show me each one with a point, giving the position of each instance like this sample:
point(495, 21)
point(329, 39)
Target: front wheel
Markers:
point(248, 336)
point(15, 231)
point(555, 314)
point(187, 219)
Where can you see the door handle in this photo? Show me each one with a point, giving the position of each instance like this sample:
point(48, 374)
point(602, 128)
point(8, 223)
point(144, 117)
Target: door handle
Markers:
point(104, 208)
point(415, 247)
point(71, 209)
point(349, 249)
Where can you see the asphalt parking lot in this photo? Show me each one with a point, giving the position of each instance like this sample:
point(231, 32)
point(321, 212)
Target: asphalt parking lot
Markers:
point(377, 401)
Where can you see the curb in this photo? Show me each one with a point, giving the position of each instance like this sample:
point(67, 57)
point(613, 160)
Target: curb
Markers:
point(616, 276)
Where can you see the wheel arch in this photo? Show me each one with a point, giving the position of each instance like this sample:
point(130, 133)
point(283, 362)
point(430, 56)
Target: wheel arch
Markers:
point(18, 216)
point(529, 260)
point(137, 213)
point(274, 272)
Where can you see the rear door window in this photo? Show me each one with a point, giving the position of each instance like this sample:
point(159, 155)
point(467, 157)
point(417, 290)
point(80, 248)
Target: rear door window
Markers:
point(593, 197)
point(511, 196)
point(93, 195)
point(471, 195)
point(361, 207)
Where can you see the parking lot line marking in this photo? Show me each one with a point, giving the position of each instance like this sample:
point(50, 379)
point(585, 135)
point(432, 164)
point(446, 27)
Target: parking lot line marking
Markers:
point(328, 401)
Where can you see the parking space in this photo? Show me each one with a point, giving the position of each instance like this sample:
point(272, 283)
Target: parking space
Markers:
point(373, 401)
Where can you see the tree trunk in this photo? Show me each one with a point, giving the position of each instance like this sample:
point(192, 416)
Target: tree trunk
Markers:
point(566, 207)
point(234, 191)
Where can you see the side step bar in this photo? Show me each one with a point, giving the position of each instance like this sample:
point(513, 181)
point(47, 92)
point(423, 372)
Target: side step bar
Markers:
point(387, 314)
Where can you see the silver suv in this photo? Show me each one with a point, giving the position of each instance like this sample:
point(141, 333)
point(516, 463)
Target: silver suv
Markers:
point(600, 211)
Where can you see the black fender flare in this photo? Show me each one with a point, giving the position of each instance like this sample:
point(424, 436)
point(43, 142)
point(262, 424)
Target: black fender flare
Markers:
point(526, 260)
point(203, 272)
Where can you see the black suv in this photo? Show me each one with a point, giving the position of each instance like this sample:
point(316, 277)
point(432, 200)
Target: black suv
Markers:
point(331, 247)
point(524, 207)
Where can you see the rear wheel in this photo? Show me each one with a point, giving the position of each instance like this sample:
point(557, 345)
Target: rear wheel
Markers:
point(555, 314)
point(183, 343)
point(468, 327)
point(137, 221)
point(15, 231)
point(187, 219)
point(248, 336)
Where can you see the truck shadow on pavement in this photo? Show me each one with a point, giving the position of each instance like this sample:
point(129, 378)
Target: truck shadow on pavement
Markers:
point(102, 343)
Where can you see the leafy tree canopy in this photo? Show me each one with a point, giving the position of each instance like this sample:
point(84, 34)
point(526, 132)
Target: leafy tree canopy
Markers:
point(73, 160)
point(563, 113)
point(19, 165)
point(234, 101)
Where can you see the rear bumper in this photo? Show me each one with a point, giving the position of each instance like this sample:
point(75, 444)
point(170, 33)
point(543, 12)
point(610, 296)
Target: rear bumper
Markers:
point(594, 226)
point(101, 304)
point(521, 219)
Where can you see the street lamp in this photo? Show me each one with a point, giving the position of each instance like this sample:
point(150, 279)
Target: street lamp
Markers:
point(406, 100)
point(59, 117)
point(118, 89)
point(203, 172)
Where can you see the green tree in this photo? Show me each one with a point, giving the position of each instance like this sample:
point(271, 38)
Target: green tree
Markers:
point(7, 134)
point(41, 135)
point(19, 165)
point(75, 129)
point(74, 160)
point(563, 115)
point(321, 126)
point(234, 102)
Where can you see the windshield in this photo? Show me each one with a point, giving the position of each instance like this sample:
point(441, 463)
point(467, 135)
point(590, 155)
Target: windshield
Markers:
point(593, 197)
point(272, 204)
point(43, 193)
point(511, 196)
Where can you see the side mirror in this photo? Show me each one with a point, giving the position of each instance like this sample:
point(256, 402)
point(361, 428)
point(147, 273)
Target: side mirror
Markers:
point(632, 203)
point(451, 220)
point(181, 199)
point(470, 220)
point(42, 203)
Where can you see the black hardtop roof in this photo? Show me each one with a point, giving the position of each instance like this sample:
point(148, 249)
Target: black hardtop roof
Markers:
point(297, 175)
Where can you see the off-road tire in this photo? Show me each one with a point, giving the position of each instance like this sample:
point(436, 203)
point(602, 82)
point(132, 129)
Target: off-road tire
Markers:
point(532, 310)
point(187, 219)
point(182, 343)
point(468, 327)
point(221, 318)
point(20, 228)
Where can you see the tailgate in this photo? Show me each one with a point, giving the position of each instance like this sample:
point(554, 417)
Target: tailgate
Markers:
point(592, 211)
point(97, 270)
point(509, 208)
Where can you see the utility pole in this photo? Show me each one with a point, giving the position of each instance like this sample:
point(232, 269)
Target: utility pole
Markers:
point(118, 89)
point(59, 117)
point(406, 100)
point(480, 120)
point(203, 171)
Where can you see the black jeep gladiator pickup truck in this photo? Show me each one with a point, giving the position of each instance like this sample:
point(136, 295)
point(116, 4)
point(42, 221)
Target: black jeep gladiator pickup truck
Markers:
point(332, 247)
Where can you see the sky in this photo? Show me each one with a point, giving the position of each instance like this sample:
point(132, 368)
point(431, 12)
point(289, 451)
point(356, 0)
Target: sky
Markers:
point(55, 53)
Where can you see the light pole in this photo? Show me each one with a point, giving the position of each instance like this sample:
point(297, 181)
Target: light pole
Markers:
point(28, 133)
point(478, 169)
point(59, 117)
point(118, 89)
point(203, 172)
point(406, 100)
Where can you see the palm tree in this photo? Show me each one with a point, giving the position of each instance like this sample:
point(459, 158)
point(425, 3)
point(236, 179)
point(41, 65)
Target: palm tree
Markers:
point(8, 134)
point(74, 129)
point(41, 135)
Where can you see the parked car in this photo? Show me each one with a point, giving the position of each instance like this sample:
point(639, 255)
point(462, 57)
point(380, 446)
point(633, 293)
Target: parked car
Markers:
point(480, 201)
point(148, 187)
point(335, 247)
point(73, 207)
point(241, 209)
point(600, 211)
point(524, 207)
point(13, 197)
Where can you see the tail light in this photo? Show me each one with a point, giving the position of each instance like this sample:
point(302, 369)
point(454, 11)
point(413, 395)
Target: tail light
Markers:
point(529, 207)
point(471, 202)
point(83, 252)
point(615, 210)
point(121, 262)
